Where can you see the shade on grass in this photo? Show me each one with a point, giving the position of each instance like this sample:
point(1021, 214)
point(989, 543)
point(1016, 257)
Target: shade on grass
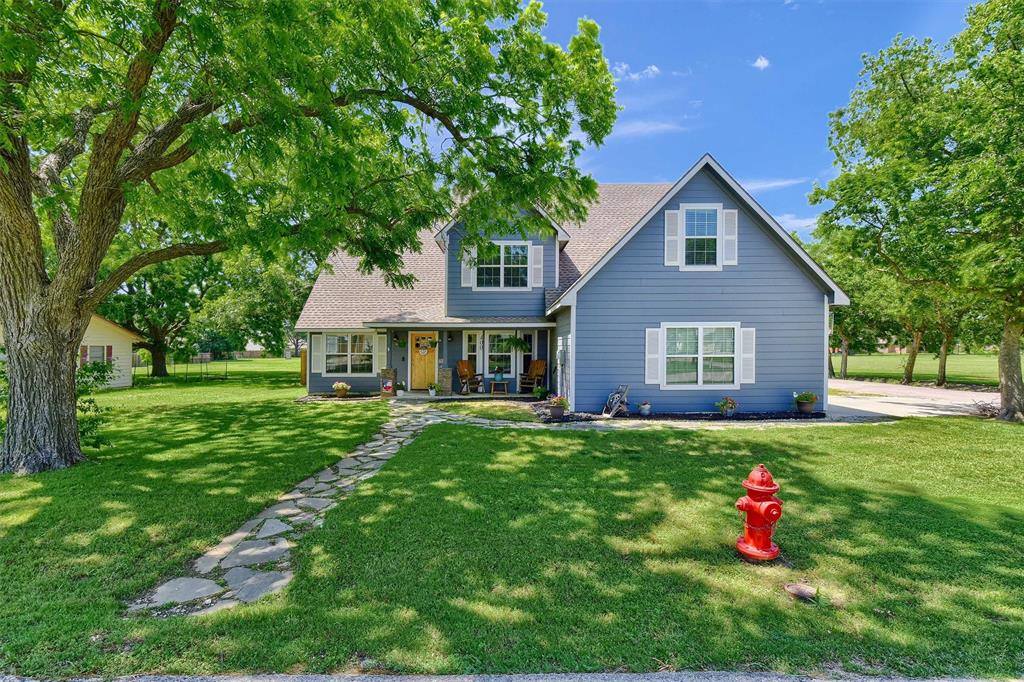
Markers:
point(187, 464)
point(510, 550)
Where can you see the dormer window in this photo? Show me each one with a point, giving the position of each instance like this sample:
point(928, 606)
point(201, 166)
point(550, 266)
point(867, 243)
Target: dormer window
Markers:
point(508, 267)
point(700, 236)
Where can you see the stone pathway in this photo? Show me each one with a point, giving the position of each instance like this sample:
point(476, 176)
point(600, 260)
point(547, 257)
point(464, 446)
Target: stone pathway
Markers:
point(255, 560)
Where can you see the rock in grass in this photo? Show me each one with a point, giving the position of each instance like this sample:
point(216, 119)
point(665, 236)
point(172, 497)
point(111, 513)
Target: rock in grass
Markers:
point(802, 591)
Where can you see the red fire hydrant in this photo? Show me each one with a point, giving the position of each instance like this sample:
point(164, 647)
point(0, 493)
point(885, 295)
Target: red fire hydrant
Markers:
point(763, 510)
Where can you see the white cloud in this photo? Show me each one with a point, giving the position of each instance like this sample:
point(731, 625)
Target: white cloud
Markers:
point(761, 63)
point(793, 222)
point(643, 128)
point(766, 184)
point(623, 72)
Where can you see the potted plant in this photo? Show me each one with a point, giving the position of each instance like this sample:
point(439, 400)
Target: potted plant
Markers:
point(540, 393)
point(341, 389)
point(432, 388)
point(805, 401)
point(557, 407)
point(400, 388)
point(727, 406)
point(645, 409)
point(499, 374)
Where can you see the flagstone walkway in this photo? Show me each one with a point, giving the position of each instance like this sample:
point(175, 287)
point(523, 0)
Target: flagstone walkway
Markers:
point(255, 560)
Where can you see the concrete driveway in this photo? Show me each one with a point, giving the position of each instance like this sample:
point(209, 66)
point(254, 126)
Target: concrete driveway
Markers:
point(871, 399)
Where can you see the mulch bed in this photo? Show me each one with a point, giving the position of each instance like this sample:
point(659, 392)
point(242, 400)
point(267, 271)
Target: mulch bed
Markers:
point(330, 397)
point(541, 409)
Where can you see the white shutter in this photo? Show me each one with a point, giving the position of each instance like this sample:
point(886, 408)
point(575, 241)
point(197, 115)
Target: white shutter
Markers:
point(536, 266)
point(652, 357)
point(316, 352)
point(468, 271)
point(747, 360)
point(380, 354)
point(673, 237)
point(730, 236)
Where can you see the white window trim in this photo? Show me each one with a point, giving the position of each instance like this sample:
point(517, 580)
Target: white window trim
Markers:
point(501, 268)
point(737, 353)
point(719, 250)
point(510, 370)
point(339, 332)
point(479, 347)
point(533, 350)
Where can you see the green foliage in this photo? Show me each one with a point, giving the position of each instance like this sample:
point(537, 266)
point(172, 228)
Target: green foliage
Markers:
point(540, 392)
point(314, 124)
point(806, 397)
point(725, 404)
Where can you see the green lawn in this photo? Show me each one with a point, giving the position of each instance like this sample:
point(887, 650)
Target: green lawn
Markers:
point(508, 410)
point(479, 550)
point(188, 462)
point(980, 369)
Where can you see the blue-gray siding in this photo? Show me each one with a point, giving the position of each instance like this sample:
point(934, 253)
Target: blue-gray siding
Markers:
point(464, 302)
point(767, 290)
point(448, 352)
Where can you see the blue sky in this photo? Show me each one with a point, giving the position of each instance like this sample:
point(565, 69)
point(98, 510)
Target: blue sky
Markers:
point(751, 82)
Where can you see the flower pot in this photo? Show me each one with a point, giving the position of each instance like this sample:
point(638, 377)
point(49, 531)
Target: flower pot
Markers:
point(805, 406)
point(432, 392)
point(730, 413)
point(341, 392)
point(399, 392)
point(498, 376)
point(556, 411)
point(645, 410)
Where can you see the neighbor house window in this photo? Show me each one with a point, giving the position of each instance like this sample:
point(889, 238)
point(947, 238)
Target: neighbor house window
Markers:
point(700, 355)
point(97, 354)
point(499, 352)
point(348, 353)
point(507, 267)
point(700, 237)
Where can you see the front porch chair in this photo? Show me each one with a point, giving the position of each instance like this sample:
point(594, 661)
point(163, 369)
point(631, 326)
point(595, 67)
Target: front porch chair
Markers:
point(533, 376)
point(469, 380)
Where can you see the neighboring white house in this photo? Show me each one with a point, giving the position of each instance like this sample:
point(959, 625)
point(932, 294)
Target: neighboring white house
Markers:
point(105, 341)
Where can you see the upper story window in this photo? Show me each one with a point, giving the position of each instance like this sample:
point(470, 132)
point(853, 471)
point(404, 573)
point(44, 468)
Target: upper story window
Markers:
point(507, 268)
point(700, 236)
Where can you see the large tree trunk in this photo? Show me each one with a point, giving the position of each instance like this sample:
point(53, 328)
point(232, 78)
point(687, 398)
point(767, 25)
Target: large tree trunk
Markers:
point(844, 363)
point(831, 368)
point(1011, 384)
point(42, 424)
point(915, 346)
point(947, 340)
point(159, 353)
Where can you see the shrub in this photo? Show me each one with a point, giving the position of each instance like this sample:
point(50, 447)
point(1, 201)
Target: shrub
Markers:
point(540, 393)
point(806, 397)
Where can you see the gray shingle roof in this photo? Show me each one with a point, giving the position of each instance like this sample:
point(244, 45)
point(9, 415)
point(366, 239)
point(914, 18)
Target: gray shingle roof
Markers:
point(344, 298)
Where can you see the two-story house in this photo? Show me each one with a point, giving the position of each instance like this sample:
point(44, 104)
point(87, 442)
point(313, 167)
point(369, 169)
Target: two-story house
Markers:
point(686, 292)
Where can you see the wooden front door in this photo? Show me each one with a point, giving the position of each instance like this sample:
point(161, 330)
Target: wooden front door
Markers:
point(423, 352)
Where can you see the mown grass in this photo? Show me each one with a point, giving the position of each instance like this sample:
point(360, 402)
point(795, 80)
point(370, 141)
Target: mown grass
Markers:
point(509, 410)
point(187, 463)
point(980, 369)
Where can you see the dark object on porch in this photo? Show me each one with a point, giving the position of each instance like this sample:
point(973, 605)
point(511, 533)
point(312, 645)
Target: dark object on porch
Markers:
point(469, 381)
point(534, 376)
point(617, 403)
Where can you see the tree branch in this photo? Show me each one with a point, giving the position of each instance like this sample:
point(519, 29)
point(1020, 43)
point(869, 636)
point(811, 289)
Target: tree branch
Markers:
point(129, 267)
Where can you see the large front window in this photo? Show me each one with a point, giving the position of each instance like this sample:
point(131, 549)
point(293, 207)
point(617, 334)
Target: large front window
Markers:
point(506, 267)
point(700, 237)
point(499, 352)
point(348, 353)
point(700, 356)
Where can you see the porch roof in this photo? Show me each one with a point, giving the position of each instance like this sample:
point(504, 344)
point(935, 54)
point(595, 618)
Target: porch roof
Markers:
point(517, 322)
